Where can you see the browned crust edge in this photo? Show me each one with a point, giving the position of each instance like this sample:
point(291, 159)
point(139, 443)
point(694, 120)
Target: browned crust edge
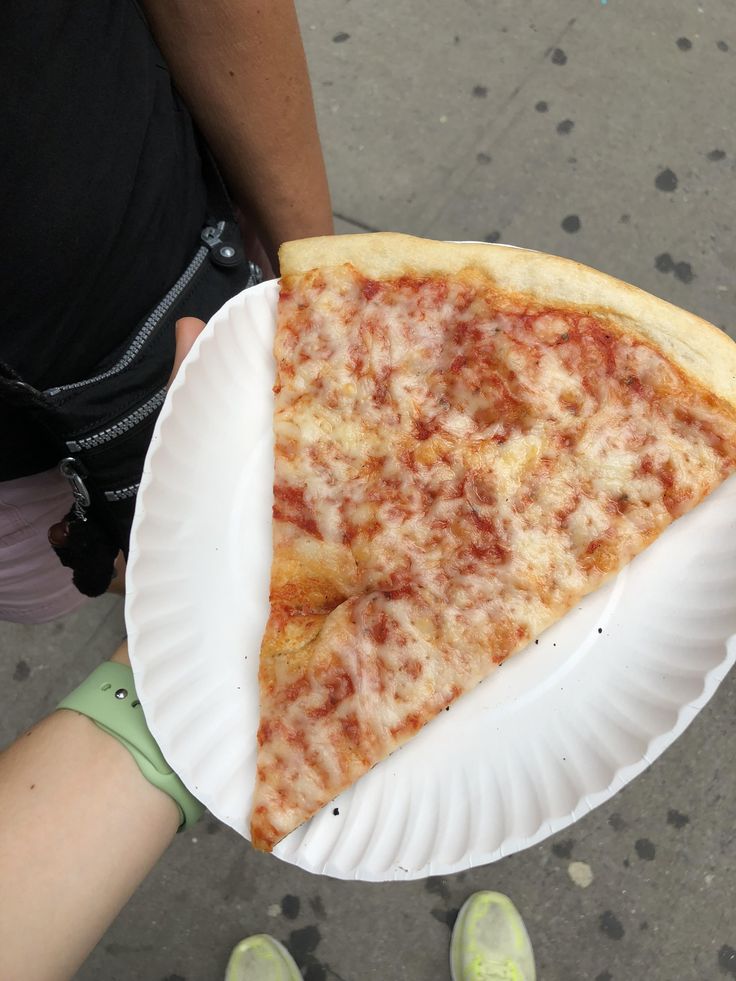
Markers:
point(702, 351)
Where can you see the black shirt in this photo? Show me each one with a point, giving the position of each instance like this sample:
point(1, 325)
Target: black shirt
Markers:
point(101, 188)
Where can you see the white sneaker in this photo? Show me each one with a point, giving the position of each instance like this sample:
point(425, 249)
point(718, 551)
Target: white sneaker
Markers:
point(261, 958)
point(490, 942)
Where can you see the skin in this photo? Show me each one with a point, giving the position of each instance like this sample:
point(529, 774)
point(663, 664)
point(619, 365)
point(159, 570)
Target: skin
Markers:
point(241, 69)
point(80, 828)
point(253, 103)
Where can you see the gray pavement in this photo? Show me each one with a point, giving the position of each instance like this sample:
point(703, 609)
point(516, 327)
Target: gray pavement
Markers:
point(601, 131)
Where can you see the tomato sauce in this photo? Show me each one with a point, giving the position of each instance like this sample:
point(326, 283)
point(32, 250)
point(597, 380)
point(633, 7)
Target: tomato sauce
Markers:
point(289, 505)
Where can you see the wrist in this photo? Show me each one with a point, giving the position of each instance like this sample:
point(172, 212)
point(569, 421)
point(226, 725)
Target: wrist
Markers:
point(292, 221)
point(108, 698)
point(121, 654)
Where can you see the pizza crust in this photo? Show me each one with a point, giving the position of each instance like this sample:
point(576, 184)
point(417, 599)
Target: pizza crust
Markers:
point(452, 477)
point(702, 351)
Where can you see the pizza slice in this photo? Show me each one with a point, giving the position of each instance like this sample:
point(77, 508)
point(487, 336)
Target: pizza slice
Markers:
point(468, 439)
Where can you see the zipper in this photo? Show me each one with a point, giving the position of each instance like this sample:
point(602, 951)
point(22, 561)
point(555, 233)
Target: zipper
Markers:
point(223, 254)
point(122, 494)
point(209, 235)
point(73, 470)
point(120, 427)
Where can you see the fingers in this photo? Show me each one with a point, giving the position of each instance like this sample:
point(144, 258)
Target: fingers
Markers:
point(117, 585)
point(188, 330)
point(121, 654)
point(59, 534)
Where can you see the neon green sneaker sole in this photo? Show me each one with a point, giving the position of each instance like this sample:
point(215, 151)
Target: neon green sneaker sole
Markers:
point(490, 942)
point(261, 958)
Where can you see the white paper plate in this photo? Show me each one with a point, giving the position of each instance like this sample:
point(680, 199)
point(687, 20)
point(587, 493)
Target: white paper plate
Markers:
point(556, 731)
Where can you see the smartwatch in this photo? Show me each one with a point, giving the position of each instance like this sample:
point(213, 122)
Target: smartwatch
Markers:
point(109, 699)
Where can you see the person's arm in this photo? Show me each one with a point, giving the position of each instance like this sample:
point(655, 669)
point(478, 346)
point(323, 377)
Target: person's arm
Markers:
point(80, 828)
point(240, 67)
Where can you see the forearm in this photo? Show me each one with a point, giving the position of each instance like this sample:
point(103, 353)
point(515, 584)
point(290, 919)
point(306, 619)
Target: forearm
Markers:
point(80, 828)
point(240, 67)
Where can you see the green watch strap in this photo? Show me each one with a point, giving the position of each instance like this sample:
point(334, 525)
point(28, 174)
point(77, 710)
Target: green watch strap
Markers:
point(109, 699)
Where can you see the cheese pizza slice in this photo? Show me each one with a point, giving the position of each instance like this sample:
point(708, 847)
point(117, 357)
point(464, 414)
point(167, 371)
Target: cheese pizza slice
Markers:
point(468, 439)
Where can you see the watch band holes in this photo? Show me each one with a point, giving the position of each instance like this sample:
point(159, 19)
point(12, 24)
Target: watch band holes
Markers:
point(135, 704)
point(106, 687)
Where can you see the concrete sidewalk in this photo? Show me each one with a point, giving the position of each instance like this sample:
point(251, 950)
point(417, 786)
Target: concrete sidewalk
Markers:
point(600, 131)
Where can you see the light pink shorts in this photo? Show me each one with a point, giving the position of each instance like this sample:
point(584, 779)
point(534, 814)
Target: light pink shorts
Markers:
point(34, 586)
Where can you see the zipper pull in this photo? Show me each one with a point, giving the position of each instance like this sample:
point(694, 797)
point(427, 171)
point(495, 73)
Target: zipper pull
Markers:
point(211, 235)
point(70, 468)
point(222, 253)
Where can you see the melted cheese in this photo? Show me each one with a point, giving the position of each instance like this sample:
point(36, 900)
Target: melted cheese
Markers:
point(463, 474)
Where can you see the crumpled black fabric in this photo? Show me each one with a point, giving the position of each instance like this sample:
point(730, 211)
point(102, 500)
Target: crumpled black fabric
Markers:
point(89, 550)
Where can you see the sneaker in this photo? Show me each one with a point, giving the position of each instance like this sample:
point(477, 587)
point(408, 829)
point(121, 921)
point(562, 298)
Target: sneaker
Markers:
point(261, 958)
point(490, 942)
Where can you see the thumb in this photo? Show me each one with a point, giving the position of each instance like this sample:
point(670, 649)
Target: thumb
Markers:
point(188, 330)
